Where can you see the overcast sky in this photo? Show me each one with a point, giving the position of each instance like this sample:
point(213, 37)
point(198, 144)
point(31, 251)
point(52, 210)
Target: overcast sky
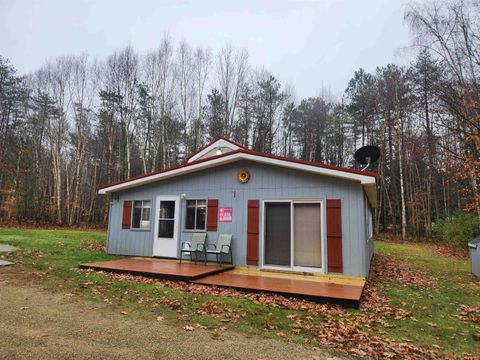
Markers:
point(308, 44)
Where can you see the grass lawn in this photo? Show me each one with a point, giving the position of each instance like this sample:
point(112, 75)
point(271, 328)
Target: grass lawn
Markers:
point(435, 308)
point(433, 321)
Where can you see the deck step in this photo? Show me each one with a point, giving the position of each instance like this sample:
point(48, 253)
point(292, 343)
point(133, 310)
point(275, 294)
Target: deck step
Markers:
point(347, 295)
point(158, 269)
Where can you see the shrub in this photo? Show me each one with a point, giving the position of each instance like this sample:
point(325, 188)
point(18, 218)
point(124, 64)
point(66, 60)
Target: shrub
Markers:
point(458, 230)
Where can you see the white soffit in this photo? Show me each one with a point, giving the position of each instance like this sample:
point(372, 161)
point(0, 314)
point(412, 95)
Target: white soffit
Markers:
point(368, 182)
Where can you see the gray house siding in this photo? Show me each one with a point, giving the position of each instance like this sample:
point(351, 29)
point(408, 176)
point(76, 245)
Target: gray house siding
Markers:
point(368, 234)
point(266, 183)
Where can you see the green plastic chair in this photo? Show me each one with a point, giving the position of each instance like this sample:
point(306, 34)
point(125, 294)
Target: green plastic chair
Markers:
point(196, 246)
point(221, 248)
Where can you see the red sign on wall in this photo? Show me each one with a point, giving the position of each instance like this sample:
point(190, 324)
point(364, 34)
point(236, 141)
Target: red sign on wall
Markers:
point(225, 214)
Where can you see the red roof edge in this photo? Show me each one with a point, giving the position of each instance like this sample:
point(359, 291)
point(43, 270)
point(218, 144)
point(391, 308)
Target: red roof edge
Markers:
point(168, 169)
point(214, 141)
point(245, 151)
point(305, 162)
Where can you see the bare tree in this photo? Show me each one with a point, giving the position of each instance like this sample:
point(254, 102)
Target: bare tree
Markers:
point(121, 78)
point(54, 81)
point(160, 79)
point(202, 61)
point(82, 91)
point(450, 32)
point(231, 68)
point(186, 87)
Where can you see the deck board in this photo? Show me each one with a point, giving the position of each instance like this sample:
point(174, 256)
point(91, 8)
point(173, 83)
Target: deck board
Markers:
point(331, 278)
point(313, 290)
point(158, 269)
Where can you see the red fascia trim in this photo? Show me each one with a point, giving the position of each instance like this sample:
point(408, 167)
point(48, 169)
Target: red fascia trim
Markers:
point(244, 151)
point(304, 162)
point(213, 141)
point(168, 169)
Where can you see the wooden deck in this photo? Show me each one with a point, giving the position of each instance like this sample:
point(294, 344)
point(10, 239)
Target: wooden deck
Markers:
point(158, 269)
point(344, 290)
point(314, 290)
point(329, 278)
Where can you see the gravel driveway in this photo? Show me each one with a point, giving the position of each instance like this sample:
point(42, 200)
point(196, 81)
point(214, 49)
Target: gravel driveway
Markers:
point(37, 324)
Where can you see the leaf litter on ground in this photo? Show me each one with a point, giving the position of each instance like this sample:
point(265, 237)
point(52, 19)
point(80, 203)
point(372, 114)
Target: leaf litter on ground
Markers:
point(354, 333)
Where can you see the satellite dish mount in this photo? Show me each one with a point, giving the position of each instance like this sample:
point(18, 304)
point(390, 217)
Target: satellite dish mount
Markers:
point(367, 155)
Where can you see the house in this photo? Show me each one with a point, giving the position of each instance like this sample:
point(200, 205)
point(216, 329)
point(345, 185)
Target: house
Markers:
point(283, 213)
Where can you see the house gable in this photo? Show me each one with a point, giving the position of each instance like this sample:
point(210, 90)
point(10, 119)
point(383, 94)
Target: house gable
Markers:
point(217, 147)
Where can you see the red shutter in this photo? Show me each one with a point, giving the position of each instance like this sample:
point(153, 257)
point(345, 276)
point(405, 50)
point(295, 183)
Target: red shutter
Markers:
point(334, 235)
point(252, 232)
point(127, 214)
point(212, 214)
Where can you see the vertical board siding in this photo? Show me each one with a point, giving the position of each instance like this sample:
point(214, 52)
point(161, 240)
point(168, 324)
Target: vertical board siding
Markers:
point(368, 216)
point(253, 225)
point(266, 183)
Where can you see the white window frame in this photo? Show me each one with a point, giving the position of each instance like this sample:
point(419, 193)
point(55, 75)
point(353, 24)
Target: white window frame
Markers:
point(292, 267)
point(195, 221)
point(141, 215)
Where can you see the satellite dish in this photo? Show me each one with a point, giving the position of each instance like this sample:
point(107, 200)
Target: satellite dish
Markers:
point(367, 155)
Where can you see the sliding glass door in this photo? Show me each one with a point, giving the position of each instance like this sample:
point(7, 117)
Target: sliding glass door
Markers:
point(293, 235)
point(307, 236)
point(277, 234)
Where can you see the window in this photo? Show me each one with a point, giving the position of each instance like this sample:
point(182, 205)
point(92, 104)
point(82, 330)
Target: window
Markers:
point(141, 214)
point(196, 214)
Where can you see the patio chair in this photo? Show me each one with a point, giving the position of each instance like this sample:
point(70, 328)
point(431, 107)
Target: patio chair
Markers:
point(221, 248)
point(196, 246)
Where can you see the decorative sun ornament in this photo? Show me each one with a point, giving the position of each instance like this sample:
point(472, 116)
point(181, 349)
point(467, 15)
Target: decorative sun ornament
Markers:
point(243, 176)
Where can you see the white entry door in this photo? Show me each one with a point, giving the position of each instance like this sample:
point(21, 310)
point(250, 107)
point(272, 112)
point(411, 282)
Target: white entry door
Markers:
point(165, 238)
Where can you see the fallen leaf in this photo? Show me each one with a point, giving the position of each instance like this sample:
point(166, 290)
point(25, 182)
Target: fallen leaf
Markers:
point(339, 329)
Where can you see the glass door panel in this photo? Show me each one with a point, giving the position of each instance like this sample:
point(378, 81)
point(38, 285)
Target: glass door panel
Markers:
point(165, 238)
point(307, 235)
point(166, 219)
point(277, 233)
